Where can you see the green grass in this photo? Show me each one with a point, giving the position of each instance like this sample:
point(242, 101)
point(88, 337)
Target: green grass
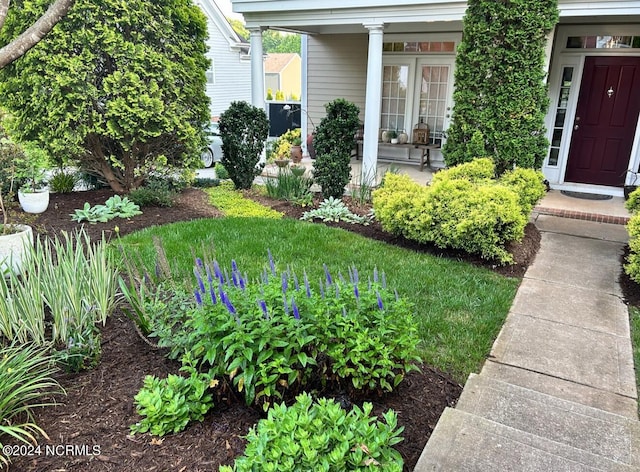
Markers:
point(634, 319)
point(459, 308)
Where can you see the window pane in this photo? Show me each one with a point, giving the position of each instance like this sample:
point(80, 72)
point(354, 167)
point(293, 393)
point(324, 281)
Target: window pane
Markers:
point(553, 156)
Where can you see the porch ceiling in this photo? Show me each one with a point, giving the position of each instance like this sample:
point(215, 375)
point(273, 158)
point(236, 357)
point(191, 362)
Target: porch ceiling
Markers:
point(404, 16)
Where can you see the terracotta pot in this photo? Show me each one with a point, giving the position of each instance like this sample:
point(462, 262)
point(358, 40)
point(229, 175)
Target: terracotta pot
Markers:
point(310, 149)
point(296, 153)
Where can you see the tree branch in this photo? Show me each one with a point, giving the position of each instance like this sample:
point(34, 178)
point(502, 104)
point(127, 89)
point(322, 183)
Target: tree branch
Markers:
point(4, 8)
point(30, 37)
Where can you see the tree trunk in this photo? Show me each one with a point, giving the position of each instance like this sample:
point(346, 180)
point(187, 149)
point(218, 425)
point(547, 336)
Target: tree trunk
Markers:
point(29, 38)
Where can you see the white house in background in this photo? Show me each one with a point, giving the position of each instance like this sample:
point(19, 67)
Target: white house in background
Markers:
point(229, 76)
point(395, 60)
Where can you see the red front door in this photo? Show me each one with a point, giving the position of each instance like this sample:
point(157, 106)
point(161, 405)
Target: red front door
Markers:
point(605, 123)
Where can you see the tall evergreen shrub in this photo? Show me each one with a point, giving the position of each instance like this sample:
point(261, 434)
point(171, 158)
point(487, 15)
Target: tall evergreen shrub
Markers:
point(333, 142)
point(500, 84)
point(244, 130)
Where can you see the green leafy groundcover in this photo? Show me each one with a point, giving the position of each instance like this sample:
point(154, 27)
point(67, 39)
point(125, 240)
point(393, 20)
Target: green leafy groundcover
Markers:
point(321, 436)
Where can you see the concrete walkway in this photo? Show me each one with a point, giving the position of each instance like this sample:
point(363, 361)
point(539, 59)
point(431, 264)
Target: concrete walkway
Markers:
point(558, 391)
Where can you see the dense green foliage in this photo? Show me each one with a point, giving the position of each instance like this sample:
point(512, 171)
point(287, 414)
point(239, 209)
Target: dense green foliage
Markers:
point(632, 267)
point(244, 130)
point(118, 85)
point(321, 436)
point(333, 141)
point(167, 405)
point(500, 93)
point(462, 208)
point(271, 339)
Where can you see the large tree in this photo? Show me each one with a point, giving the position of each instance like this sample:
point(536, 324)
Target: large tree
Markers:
point(33, 34)
point(500, 96)
point(118, 85)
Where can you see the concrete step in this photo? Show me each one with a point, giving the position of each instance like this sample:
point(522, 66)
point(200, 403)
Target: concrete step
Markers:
point(462, 441)
point(598, 432)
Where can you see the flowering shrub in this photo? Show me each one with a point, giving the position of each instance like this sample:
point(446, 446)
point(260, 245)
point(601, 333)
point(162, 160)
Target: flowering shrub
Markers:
point(281, 334)
point(321, 436)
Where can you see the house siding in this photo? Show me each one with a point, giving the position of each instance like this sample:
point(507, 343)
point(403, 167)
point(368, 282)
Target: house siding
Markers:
point(232, 72)
point(338, 70)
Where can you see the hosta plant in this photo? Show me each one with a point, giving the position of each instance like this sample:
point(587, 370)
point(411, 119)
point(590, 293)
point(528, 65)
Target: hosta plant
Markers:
point(114, 207)
point(334, 209)
point(321, 436)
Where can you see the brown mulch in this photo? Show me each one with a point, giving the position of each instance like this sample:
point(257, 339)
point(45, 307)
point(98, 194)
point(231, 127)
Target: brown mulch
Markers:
point(98, 408)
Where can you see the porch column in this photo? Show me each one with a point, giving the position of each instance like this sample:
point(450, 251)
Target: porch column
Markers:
point(372, 102)
point(257, 68)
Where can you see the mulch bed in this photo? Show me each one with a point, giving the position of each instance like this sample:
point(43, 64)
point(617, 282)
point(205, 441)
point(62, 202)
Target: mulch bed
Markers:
point(98, 407)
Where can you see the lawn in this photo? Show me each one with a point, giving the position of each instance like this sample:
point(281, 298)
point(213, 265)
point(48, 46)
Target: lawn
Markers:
point(459, 308)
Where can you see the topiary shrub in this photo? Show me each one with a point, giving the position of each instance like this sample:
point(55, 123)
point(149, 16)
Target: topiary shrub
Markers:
point(333, 141)
point(244, 129)
point(321, 436)
point(500, 93)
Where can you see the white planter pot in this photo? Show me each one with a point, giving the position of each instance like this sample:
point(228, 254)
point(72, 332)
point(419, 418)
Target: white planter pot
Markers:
point(34, 202)
point(394, 140)
point(12, 248)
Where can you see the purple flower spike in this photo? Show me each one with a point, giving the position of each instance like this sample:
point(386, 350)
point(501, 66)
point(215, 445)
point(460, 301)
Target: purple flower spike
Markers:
point(294, 307)
point(356, 277)
point(337, 291)
point(199, 277)
point(199, 262)
point(306, 285)
point(223, 296)
point(158, 270)
point(263, 307)
point(209, 276)
point(196, 293)
point(234, 266)
point(327, 274)
point(226, 277)
point(218, 272)
point(243, 285)
point(356, 292)
point(295, 282)
point(285, 282)
point(380, 304)
point(375, 275)
point(272, 264)
point(230, 306)
point(212, 294)
point(341, 278)
point(234, 278)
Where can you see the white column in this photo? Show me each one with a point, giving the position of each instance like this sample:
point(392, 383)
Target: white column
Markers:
point(372, 102)
point(257, 68)
point(304, 102)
